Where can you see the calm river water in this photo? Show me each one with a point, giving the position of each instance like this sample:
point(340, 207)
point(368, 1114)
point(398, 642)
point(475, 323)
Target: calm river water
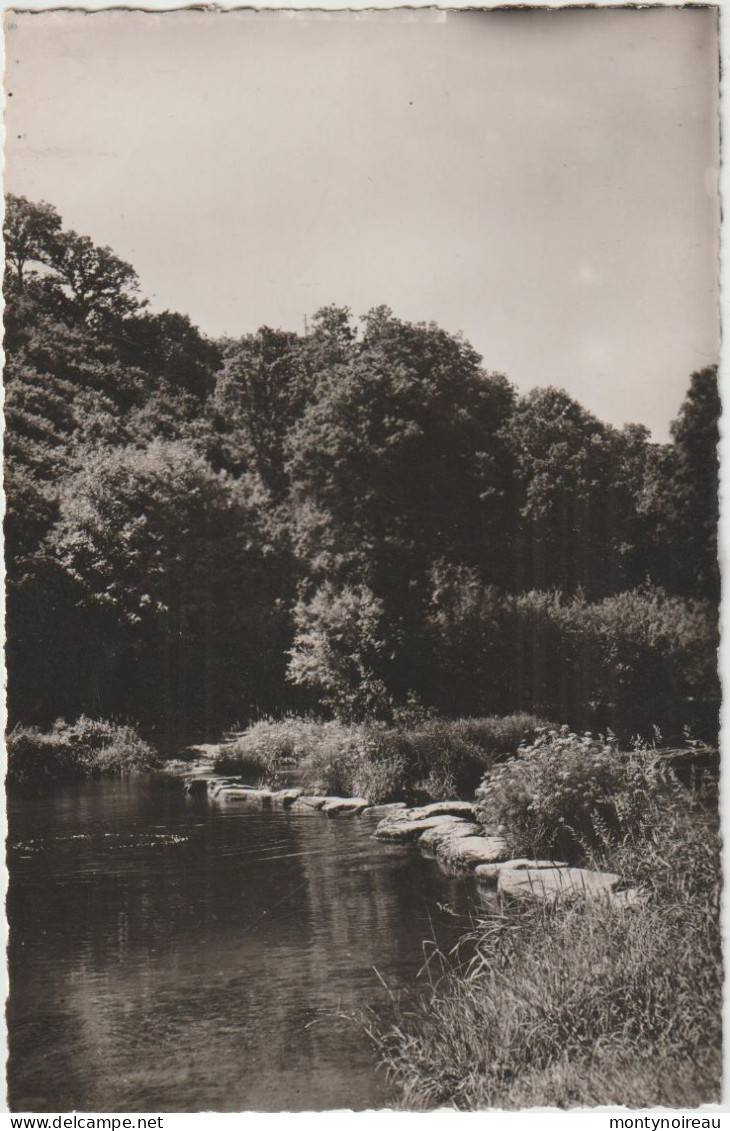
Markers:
point(169, 954)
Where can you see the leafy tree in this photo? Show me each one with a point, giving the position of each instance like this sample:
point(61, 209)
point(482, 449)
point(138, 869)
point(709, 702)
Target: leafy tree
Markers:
point(580, 480)
point(398, 456)
point(165, 559)
point(342, 650)
point(679, 502)
point(29, 231)
point(173, 351)
point(80, 279)
point(259, 395)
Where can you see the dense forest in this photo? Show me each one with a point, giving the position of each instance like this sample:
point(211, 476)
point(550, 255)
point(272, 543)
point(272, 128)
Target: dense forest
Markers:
point(360, 520)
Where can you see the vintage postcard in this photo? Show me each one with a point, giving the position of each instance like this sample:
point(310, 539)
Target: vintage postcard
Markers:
point(362, 583)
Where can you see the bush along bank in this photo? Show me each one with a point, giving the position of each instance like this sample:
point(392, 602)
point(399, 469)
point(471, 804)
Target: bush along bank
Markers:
point(72, 751)
point(600, 980)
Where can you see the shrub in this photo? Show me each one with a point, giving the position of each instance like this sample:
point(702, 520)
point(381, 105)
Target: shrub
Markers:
point(565, 793)
point(35, 758)
point(70, 751)
point(360, 761)
point(269, 748)
point(447, 758)
point(629, 662)
point(342, 648)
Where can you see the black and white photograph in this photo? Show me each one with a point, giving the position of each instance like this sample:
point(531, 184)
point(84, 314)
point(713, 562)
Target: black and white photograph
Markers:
point(362, 581)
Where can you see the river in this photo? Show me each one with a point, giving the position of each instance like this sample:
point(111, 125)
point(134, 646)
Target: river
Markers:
point(167, 953)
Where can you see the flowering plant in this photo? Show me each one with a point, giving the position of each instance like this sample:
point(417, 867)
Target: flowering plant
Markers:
point(565, 793)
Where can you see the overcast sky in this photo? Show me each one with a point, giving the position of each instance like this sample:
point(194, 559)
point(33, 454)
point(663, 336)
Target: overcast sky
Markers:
point(543, 181)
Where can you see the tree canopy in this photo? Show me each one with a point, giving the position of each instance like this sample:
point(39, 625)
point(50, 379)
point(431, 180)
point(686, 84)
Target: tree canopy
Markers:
point(351, 519)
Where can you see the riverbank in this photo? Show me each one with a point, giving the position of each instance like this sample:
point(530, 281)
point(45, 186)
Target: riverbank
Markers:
point(69, 752)
point(582, 1003)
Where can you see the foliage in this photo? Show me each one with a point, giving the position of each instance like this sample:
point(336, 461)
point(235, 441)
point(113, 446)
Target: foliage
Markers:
point(582, 1005)
point(69, 751)
point(270, 748)
point(564, 791)
point(630, 662)
point(679, 502)
point(70, 270)
point(577, 481)
point(435, 759)
point(342, 649)
point(163, 549)
point(365, 500)
point(397, 452)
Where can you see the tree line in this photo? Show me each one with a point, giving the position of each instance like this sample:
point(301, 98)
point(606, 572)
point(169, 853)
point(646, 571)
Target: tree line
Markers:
point(360, 520)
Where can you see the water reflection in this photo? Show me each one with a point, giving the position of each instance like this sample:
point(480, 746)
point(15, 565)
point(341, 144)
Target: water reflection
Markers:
point(166, 955)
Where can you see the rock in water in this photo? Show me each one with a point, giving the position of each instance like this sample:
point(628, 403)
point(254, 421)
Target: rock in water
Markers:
point(455, 827)
point(554, 885)
point(444, 809)
point(308, 803)
point(343, 806)
point(398, 828)
point(488, 874)
point(382, 810)
point(255, 798)
point(459, 853)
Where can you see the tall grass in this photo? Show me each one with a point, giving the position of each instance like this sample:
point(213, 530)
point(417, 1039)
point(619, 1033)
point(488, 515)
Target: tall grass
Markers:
point(71, 751)
point(435, 759)
point(585, 1004)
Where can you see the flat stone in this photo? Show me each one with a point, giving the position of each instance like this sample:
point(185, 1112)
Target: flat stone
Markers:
point(488, 874)
point(344, 806)
point(383, 810)
point(217, 784)
point(395, 828)
point(456, 827)
point(207, 749)
point(466, 852)
point(448, 808)
point(439, 809)
point(552, 885)
point(309, 803)
point(285, 797)
point(256, 798)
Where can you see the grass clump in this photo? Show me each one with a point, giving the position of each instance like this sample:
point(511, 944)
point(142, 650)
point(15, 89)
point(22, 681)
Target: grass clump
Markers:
point(433, 759)
point(269, 749)
point(72, 751)
point(586, 1004)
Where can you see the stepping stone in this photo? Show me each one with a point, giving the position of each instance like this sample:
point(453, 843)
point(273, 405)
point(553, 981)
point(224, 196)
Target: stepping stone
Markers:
point(383, 810)
point(195, 785)
point(460, 853)
point(396, 828)
point(456, 827)
point(553, 885)
point(439, 809)
point(309, 803)
point(343, 806)
point(217, 784)
point(256, 798)
point(488, 874)
point(285, 797)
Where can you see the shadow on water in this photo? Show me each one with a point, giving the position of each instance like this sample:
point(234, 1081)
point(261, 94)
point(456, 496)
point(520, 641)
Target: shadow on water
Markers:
point(169, 955)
